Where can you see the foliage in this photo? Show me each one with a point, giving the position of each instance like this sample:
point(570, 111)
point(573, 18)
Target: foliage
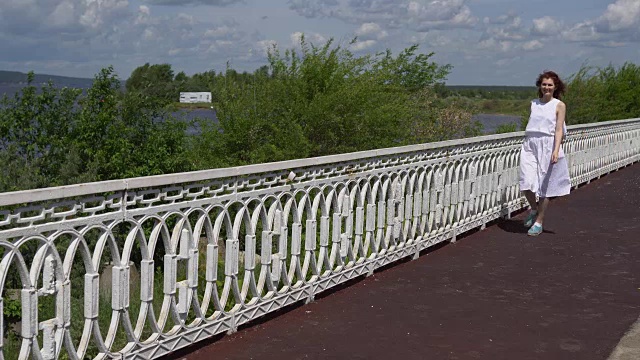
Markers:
point(127, 135)
point(34, 134)
point(321, 100)
point(156, 81)
point(52, 136)
point(12, 307)
point(507, 128)
point(504, 107)
point(487, 92)
point(436, 120)
point(601, 94)
point(411, 70)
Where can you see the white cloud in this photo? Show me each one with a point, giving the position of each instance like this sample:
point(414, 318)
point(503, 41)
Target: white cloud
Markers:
point(266, 45)
point(622, 15)
point(98, 13)
point(103, 32)
point(504, 34)
point(314, 38)
point(296, 37)
point(148, 34)
point(362, 45)
point(618, 24)
point(613, 44)
point(312, 8)
point(532, 45)
point(144, 16)
point(546, 26)
point(584, 31)
point(435, 10)
point(507, 61)
point(500, 20)
point(417, 15)
point(368, 31)
point(219, 32)
point(193, 2)
point(504, 28)
point(144, 10)
point(62, 16)
point(24, 17)
point(492, 45)
point(78, 37)
point(440, 14)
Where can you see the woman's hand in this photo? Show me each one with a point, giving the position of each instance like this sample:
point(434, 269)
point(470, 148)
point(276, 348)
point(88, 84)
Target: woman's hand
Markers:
point(554, 157)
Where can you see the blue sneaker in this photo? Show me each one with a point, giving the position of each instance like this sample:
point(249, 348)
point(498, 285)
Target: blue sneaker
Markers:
point(528, 221)
point(535, 230)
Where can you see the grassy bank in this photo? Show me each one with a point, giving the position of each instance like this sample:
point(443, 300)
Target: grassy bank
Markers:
point(192, 106)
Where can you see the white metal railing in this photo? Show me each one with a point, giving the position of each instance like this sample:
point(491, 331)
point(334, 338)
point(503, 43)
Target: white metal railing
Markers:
point(138, 268)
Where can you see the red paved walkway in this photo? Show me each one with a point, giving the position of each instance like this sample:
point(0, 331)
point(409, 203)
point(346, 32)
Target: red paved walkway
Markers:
point(570, 293)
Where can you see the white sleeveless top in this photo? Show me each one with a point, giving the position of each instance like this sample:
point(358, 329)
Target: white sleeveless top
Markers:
point(543, 117)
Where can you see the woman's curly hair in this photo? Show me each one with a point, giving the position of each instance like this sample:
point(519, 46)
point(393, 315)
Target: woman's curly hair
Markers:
point(560, 86)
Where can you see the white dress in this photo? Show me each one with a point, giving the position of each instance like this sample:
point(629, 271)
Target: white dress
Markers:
point(537, 173)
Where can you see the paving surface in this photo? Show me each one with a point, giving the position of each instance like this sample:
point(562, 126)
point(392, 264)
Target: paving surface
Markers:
point(571, 293)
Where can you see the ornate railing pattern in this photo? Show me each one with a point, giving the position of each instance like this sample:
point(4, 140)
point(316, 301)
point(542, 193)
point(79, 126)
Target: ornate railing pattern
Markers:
point(170, 260)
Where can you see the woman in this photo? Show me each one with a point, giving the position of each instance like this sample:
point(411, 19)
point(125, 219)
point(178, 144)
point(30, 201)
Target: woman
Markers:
point(543, 168)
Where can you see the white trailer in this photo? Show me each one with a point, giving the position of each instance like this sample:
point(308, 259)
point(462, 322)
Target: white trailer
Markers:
point(195, 97)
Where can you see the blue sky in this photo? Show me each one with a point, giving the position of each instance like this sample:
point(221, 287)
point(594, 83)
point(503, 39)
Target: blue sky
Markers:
point(488, 42)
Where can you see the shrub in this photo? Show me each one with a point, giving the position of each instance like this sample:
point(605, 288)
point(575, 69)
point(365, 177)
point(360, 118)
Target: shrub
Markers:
point(322, 100)
point(507, 128)
point(601, 94)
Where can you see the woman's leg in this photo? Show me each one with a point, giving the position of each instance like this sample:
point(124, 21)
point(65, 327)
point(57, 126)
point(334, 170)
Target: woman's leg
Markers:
point(533, 213)
point(542, 207)
point(531, 199)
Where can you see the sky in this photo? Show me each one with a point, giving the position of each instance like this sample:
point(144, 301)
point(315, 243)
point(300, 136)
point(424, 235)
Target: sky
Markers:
point(488, 42)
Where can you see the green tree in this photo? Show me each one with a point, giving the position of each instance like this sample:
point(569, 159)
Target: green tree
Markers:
point(181, 77)
point(154, 80)
point(411, 69)
point(34, 133)
point(126, 135)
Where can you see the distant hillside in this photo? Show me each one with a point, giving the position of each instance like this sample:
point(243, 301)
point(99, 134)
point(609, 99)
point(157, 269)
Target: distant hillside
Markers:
point(15, 77)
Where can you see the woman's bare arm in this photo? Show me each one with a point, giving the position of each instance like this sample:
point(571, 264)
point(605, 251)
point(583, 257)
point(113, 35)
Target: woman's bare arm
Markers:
point(561, 111)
